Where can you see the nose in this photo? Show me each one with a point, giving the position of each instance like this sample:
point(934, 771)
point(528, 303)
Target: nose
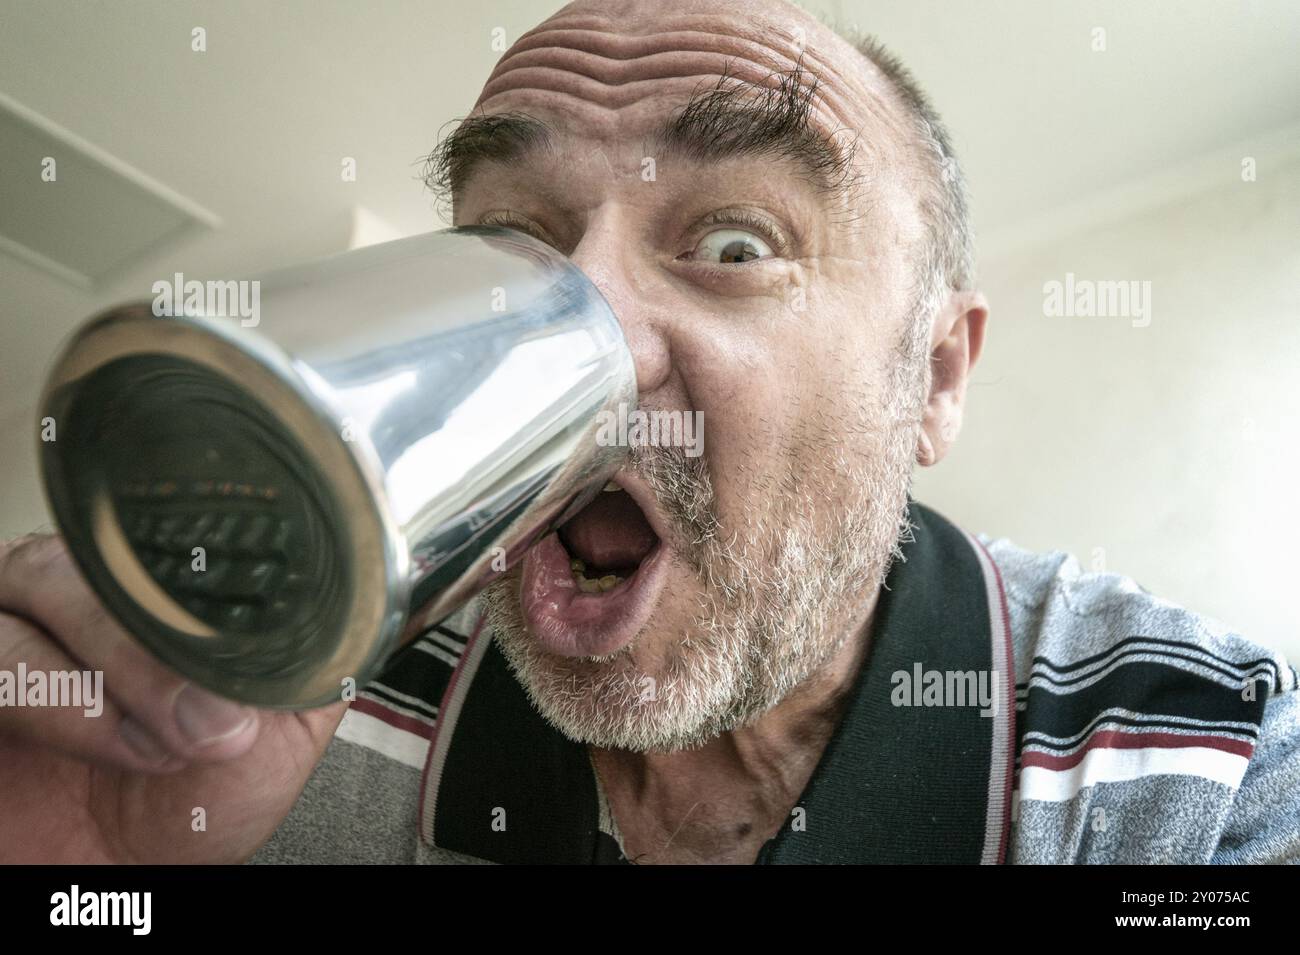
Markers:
point(603, 256)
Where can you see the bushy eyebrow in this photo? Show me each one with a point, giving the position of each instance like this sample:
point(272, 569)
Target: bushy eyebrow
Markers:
point(496, 137)
point(733, 119)
point(730, 119)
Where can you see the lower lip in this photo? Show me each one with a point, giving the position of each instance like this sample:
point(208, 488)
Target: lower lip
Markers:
point(570, 623)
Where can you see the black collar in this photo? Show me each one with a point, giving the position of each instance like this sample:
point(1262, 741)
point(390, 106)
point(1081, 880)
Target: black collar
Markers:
point(896, 783)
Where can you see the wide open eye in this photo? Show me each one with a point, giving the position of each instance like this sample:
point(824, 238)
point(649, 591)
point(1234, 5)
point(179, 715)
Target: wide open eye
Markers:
point(731, 247)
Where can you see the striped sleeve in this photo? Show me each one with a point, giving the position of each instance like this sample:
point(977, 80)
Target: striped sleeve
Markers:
point(1146, 732)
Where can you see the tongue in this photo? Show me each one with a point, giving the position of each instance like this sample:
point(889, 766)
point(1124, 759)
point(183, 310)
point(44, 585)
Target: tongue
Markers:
point(609, 534)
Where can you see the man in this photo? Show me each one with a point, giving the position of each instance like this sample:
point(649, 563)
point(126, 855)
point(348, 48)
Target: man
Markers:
point(784, 658)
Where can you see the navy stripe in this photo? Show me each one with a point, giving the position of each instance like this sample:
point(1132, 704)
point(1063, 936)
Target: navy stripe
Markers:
point(1150, 688)
point(1230, 674)
point(415, 673)
point(1178, 644)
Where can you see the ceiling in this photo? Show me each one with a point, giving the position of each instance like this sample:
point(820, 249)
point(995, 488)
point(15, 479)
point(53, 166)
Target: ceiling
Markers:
point(255, 128)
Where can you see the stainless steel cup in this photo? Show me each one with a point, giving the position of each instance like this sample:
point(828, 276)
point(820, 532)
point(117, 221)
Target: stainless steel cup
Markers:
point(270, 502)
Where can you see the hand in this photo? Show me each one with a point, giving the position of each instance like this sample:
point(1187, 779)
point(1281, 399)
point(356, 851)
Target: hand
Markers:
point(167, 772)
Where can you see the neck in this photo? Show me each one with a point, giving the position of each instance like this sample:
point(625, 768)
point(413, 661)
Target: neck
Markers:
point(720, 802)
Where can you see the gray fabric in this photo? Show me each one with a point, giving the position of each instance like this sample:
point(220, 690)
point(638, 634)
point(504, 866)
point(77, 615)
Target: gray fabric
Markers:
point(1263, 824)
point(359, 807)
point(1157, 819)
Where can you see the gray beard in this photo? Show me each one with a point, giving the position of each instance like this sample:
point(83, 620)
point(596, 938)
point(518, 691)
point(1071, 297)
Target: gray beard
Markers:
point(777, 601)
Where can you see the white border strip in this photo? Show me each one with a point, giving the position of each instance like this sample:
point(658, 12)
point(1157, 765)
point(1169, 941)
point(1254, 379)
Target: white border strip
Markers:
point(1000, 637)
point(373, 733)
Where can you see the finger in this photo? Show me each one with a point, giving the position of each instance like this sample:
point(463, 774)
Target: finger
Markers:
point(96, 730)
point(39, 581)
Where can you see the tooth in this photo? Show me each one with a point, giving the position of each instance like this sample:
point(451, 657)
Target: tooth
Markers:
point(609, 582)
point(611, 486)
point(577, 565)
point(588, 586)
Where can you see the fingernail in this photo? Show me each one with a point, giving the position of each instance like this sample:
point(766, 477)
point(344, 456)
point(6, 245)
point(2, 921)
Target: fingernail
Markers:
point(143, 743)
point(206, 719)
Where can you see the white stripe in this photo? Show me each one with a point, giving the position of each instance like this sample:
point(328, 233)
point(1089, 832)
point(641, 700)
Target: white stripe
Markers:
point(445, 640)
point(1035, 743)
point(436, 652)
point(406, 711)
point(421, 709)
point(373, 733)
point(1169, 723)
point(1124, 765)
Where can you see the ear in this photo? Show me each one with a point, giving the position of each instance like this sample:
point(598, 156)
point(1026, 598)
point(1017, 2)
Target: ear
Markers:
point(956, 338)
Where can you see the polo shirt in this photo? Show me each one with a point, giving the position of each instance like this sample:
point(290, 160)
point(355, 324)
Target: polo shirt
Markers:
point(1012, 709)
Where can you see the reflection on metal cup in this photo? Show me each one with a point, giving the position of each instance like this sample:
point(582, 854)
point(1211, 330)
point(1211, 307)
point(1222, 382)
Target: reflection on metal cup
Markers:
point(271, 505)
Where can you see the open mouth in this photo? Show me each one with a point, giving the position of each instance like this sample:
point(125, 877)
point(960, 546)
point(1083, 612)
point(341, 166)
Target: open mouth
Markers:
point(590, 587)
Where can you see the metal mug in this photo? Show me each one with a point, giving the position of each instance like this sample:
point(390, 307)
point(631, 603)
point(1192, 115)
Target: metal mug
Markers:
point(272, 501)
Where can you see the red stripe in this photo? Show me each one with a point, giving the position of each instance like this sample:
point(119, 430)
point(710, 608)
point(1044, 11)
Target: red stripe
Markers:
point(1114, 739)
point(392, 717)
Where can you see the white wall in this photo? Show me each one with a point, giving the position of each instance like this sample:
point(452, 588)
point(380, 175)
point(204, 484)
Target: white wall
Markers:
point(1168, 453)
point(28, 297)
point(22, 508)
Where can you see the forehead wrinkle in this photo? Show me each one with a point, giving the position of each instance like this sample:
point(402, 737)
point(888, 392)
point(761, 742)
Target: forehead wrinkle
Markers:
point(617, 61)
point(611, 81)
point(586, 58)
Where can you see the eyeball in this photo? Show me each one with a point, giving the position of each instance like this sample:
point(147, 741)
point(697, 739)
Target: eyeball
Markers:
point(731, 247)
